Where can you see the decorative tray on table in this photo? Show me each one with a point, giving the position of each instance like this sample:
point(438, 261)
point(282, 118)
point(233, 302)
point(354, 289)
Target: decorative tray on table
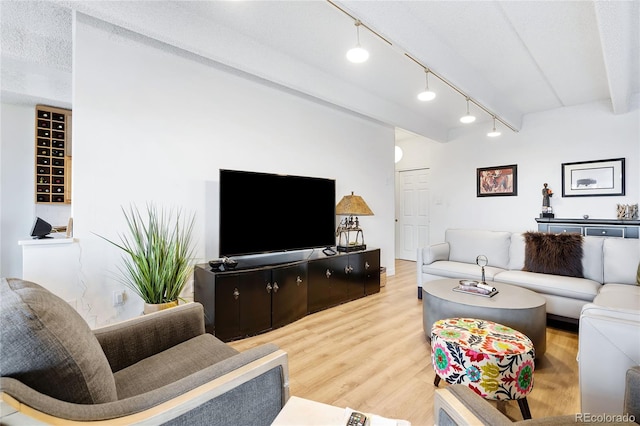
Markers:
point(476, 288)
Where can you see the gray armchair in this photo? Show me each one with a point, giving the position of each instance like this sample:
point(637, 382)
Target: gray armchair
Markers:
point(160, 368)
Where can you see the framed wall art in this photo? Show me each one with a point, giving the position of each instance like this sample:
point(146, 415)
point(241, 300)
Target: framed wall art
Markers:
point(593, 178)
point(497, 181)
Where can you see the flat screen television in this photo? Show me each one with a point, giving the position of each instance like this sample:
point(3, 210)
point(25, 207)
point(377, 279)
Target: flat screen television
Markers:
point(263, 212)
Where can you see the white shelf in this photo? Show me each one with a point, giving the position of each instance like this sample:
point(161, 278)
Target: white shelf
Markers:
point(61, 239)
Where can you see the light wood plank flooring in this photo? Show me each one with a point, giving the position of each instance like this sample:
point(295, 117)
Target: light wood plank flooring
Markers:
point(372, 355)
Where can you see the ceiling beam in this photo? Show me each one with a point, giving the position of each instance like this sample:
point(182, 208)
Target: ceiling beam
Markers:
point(619, 39)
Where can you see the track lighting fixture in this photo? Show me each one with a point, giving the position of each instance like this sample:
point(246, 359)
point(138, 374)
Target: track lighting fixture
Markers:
point(426, 94)
point(493, 133)
point(357, 55)
point(467, 118)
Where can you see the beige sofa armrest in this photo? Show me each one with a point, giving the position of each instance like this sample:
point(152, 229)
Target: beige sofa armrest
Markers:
point(460, 405)
point(130, 341)
point(435, 252)
point(146, 409)
point(428, 255)
point(615, 330)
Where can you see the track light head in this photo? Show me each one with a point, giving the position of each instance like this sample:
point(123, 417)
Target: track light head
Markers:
point(358, 54)
point(426, 95)
point(467, 118)
point(494, 133)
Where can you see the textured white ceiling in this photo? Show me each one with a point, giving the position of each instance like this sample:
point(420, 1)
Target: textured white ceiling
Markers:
point(514, 57)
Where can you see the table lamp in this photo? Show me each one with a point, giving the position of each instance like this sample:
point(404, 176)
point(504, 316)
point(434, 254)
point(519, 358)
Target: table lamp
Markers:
point(350, 206)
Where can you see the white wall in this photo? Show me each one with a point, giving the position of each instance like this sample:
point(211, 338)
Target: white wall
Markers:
point(16, 184)
point(152, 123)
point(546, 140)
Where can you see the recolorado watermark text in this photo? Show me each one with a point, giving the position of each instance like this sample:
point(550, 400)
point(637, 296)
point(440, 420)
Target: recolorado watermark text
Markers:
point(604, 418)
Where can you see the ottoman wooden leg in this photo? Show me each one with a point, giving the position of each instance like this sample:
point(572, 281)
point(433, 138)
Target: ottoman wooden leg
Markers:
point(436, 381)
point(524, 408)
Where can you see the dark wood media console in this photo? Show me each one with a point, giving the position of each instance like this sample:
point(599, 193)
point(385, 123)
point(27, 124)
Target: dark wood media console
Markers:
point(268, 292)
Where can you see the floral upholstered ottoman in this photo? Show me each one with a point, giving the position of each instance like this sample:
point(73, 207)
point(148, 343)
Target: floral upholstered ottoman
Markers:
point(495, 361)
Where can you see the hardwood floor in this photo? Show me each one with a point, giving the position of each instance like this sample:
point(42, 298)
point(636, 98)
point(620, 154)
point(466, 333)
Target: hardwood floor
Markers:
point(372, 355)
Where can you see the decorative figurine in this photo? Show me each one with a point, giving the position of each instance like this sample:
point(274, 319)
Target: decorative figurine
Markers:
point(547, 193)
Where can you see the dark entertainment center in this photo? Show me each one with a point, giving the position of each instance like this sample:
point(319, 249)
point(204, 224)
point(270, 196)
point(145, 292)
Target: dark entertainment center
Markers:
point(265, 293)
point(284, 264)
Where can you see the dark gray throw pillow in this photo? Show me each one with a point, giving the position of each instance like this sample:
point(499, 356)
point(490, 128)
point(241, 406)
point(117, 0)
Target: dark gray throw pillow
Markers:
point(49, 347)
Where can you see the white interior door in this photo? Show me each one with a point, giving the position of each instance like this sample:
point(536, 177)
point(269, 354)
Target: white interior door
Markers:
point(412, 212)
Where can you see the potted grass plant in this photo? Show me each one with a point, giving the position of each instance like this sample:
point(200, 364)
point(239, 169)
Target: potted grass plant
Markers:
point(158, 255)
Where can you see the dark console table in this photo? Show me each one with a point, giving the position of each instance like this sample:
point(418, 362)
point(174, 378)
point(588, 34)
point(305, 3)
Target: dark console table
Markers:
point(592, 227)
point(266, 293)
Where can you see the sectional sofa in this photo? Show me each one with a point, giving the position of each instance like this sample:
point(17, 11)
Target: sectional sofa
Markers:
point(605, 302)
point(604, 261)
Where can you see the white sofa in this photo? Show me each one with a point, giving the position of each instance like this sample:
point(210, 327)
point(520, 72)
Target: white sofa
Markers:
point(605, 302)
point(605, 261)
point(608, 346)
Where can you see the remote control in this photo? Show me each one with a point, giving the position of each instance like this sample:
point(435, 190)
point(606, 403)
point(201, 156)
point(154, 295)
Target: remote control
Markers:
point(357, 419)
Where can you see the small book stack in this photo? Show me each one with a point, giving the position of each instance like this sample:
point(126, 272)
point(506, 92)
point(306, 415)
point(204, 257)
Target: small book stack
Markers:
point(476, 288)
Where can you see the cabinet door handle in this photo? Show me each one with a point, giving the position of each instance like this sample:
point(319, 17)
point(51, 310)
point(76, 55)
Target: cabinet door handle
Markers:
point(275, 287)
point(328, 273)
point(298, 280)
point(348, 269)
point(269, 288)
point(366, 265)
point(236, 293)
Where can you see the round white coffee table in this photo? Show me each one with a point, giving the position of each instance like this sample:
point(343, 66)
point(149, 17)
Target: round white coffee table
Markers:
point(515, 307)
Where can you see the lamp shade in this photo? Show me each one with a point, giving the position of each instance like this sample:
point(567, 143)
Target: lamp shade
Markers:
point(353, 205)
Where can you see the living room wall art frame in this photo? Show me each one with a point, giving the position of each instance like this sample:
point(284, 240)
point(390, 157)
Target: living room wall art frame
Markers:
point(593, 178)
point(497, 181)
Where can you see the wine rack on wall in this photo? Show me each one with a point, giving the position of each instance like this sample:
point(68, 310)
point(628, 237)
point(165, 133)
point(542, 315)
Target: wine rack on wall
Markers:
point(53, 155)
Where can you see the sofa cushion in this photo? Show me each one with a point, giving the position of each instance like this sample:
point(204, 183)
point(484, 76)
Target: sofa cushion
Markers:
point(516, 251)
point(571, 287)
point(435, 252)
point(621, 257)
point(592, 258)
point(556, 254)
point(467, 271)
point(49, 347)
point(465, 245)
point(185, 359)
point(619, 296)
